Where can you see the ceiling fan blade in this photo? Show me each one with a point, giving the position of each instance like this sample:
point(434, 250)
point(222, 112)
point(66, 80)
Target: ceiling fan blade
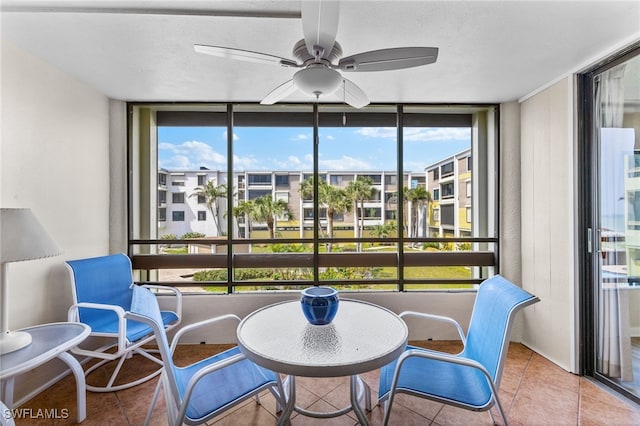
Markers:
point(353, 95)
point(320, 25)
point(389, 59)
point(285, 89)
point(244, 55)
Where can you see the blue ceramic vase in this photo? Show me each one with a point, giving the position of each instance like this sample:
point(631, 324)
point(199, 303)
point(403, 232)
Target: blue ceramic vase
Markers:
point(319, 304)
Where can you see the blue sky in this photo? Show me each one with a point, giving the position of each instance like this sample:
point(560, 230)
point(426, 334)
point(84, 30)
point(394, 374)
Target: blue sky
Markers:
point(291, 148)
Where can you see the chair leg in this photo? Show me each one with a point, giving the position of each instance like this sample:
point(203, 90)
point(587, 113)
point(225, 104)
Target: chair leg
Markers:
point(279, 394)
point(110, 387)
point(156, 393)
point(387, 402)
point(117, 370)
point(500, 411)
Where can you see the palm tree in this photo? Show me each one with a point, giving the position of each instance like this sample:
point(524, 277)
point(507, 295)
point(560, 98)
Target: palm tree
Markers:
point(423, 198)
point(384, 230)
point(334, 199)
point(211, 194)
point(243, 209)
point(417, 198)
point(359, 190)
point(266, 209)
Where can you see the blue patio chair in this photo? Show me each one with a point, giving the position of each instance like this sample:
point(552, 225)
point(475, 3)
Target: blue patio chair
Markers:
point(102, 293)
point(204, 389)
point(471, 378)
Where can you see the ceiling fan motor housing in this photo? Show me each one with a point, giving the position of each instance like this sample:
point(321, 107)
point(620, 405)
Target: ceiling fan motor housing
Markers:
point(317, 80)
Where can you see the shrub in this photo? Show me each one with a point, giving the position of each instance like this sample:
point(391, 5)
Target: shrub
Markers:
point(191, 235)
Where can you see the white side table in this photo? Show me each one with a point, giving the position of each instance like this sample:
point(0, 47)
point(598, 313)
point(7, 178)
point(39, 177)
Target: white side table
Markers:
point(48, 341)
point(361, 338)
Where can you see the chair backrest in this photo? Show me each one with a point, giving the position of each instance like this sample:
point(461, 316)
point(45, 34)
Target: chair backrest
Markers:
point(145, 308)
point(489, 332)
point(104, 279)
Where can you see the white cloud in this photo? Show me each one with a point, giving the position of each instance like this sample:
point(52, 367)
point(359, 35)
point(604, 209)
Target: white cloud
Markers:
point(377, 132)
point(344, 163)
point(294, 160)
point(419, 134)
point(300, 137)
point(246, 163)
point(190, 155)
point(224, 136)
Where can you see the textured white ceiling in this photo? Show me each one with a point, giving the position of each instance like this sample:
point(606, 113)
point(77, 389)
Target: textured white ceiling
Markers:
point(490, 51)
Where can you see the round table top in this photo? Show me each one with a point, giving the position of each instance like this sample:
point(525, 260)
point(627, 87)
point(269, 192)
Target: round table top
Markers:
point(362, 337)
point(48, 341)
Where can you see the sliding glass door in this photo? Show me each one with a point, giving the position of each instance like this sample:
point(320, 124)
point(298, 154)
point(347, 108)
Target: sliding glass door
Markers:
point(613, 92)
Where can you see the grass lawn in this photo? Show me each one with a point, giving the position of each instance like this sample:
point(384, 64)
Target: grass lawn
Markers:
point(431, 272)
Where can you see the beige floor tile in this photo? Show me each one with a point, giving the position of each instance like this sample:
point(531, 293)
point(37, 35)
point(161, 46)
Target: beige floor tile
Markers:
point(534, 391)
point(537, 404)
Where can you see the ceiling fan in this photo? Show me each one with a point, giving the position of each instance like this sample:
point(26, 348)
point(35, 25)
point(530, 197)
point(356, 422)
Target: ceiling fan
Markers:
point(317, 54)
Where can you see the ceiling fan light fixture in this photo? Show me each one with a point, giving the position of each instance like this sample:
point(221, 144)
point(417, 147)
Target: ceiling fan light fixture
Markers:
point(317, 81)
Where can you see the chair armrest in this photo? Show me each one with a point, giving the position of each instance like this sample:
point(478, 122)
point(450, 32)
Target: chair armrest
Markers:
point(196, 325)
point(176, 293)
point(444, 357)
point(437, 318)
point(72, 313)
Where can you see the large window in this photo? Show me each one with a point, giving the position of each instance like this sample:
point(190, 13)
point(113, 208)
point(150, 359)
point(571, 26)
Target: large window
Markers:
point(262, 173)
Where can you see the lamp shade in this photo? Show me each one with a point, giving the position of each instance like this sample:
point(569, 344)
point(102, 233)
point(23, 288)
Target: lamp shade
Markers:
point(23, 237)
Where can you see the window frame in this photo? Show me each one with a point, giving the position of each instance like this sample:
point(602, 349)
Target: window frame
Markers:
point(406, 116)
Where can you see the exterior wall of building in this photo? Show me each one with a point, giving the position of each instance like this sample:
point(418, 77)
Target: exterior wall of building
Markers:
point(180, 211)
point(449, 182)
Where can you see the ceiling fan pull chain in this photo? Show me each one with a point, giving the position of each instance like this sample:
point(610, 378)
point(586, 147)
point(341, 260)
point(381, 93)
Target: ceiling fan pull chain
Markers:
point(344, 99)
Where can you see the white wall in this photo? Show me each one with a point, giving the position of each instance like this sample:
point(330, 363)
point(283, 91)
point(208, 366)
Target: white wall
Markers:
point(54, 160)
point(547, 200)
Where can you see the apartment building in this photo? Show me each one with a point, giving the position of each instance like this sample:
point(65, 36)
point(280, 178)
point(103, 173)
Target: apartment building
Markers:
point(449, 183)
point(182, 210)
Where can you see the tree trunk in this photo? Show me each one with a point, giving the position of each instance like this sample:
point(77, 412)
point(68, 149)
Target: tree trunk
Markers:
point(421, 222)
point(272, 234)
point(329, 227)
point(356, 226)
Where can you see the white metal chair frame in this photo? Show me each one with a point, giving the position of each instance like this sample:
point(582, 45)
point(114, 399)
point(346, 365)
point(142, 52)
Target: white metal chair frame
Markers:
point(124, 348)
point(178, 400)
point(496, 304)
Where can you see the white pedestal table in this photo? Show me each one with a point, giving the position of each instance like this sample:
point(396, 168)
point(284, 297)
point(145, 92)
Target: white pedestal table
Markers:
point(48, 341)
point(362, 337)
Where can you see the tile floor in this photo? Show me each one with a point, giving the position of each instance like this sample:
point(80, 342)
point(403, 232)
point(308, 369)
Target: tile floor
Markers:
point(533, 391)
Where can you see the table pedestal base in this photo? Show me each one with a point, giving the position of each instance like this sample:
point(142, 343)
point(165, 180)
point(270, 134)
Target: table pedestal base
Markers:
point(359, 391)
point(7, 387)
